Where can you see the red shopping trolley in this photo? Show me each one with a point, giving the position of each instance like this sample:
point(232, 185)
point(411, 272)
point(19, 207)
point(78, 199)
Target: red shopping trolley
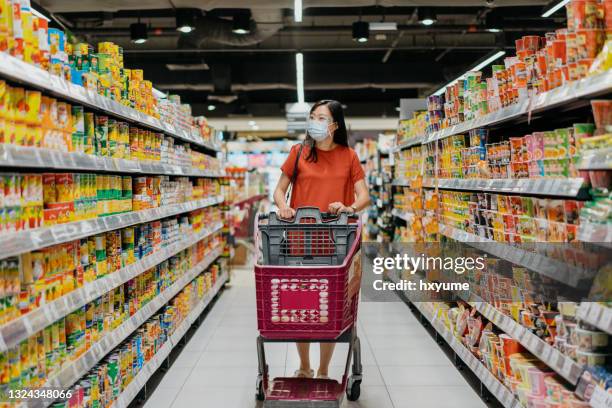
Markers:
point(304, 294)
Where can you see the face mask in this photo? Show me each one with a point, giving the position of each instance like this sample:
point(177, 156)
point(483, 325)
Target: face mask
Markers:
point(317, 129)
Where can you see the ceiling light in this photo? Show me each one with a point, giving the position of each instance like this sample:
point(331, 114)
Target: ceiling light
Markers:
point(211, 107)
point(383, 26)
point(478, 67)
point(426, 16)
point(255, 127)
point(138, 33)
point(299, 76)
point(251, 123)
point(554, 8)
point(242, 24)
point(297, 11)
point(361, 31)
point(494, 30)
point(188, 67)
point(185, 20)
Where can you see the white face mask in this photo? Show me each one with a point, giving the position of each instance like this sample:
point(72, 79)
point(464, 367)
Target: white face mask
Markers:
point(318, 129)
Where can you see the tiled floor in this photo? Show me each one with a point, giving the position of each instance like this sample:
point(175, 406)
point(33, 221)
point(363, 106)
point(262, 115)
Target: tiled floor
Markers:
point(403, 366)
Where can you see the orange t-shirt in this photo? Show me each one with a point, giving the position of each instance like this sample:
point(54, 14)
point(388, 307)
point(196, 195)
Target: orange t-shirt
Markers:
point(331, 178)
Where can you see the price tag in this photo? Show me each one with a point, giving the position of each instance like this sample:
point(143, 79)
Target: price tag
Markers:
point(605, 320)
point(601, 398)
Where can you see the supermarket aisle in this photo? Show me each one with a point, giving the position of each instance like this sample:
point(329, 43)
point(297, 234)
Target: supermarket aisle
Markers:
point(403, 366)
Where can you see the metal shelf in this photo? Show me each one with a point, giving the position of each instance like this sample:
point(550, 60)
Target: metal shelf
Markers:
point(24, 73)
point(401, 182)
point(499, 390)
point(32, 157)
point(565, 187)
point(597, 315)
point(413, 141)
point(596, 160)
point(584, 88)
point(557, 270)
point(13, 332)
point(76, 369)
point(553, 358)
point(24, 241)
point(139, 381)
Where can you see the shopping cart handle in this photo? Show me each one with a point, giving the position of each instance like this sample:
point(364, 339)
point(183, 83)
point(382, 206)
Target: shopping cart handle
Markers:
point(324, 215)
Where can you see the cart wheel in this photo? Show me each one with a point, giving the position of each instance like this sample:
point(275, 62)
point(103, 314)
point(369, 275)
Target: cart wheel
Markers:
point(260, 394)
point(353, 389)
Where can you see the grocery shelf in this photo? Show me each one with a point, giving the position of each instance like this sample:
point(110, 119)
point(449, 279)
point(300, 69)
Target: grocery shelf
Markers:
point(24, 73)
point(13, 332)
point(557, 270)
point(596, 160)
point(404, 215)
point(24, 241)
point(584, 88)
point(499, 390)
point(139, 381)
point(413, 141)
point(81, 366)
point(600, 234)
point(33, 157)
point(401, 182)
point(250, 200)
point(597, 315)
point(565, 187)
point(553, 358)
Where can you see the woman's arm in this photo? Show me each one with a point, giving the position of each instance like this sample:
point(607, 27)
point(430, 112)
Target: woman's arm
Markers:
point(362, 196)
point(362, 200)
point(279, 197)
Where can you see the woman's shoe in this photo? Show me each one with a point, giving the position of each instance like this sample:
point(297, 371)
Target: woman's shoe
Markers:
point(323, 377)
point(304, 373)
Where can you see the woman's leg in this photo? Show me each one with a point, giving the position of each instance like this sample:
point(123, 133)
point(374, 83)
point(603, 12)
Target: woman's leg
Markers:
point(304, 352)
point(327, 351)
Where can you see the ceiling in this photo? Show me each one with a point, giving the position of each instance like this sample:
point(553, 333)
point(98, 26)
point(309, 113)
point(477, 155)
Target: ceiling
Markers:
point(254, 74)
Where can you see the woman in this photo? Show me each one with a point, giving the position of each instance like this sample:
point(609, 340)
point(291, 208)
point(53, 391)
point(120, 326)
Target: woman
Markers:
point(330, 177)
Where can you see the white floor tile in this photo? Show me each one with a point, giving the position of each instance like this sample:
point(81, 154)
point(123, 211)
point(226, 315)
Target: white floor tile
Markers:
point(176, 377)
point(415, 356)
point(435, 397)
point(240, 359)
point(186, 359)
point(371, 396)
point(226, 397)
point(162, 397)
point(421, 376)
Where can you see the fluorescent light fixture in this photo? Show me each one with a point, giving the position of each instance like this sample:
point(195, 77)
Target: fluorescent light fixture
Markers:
point(494, 30)
point(251, 123)
point(383, 26)
point(554, 8)
point(241, 24)
point(299, 74)
point(361, 31)
point(428, 21)
point(478, 67)
point(185, 20)
point(297, 11)
point(211, 107)
point(38, 14)
point(188, 67)
point(426, 16)
point(138, 33)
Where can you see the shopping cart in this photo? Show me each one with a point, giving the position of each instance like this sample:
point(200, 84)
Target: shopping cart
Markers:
point(307, 291)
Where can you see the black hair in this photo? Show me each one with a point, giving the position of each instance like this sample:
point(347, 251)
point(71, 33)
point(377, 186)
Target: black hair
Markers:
point(340, 136)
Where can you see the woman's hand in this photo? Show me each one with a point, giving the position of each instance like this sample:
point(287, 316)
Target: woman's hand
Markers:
point(286, 212)
point(337, 208)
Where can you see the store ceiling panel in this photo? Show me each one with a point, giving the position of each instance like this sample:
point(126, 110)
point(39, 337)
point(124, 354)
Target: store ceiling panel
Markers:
point(255, 73)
